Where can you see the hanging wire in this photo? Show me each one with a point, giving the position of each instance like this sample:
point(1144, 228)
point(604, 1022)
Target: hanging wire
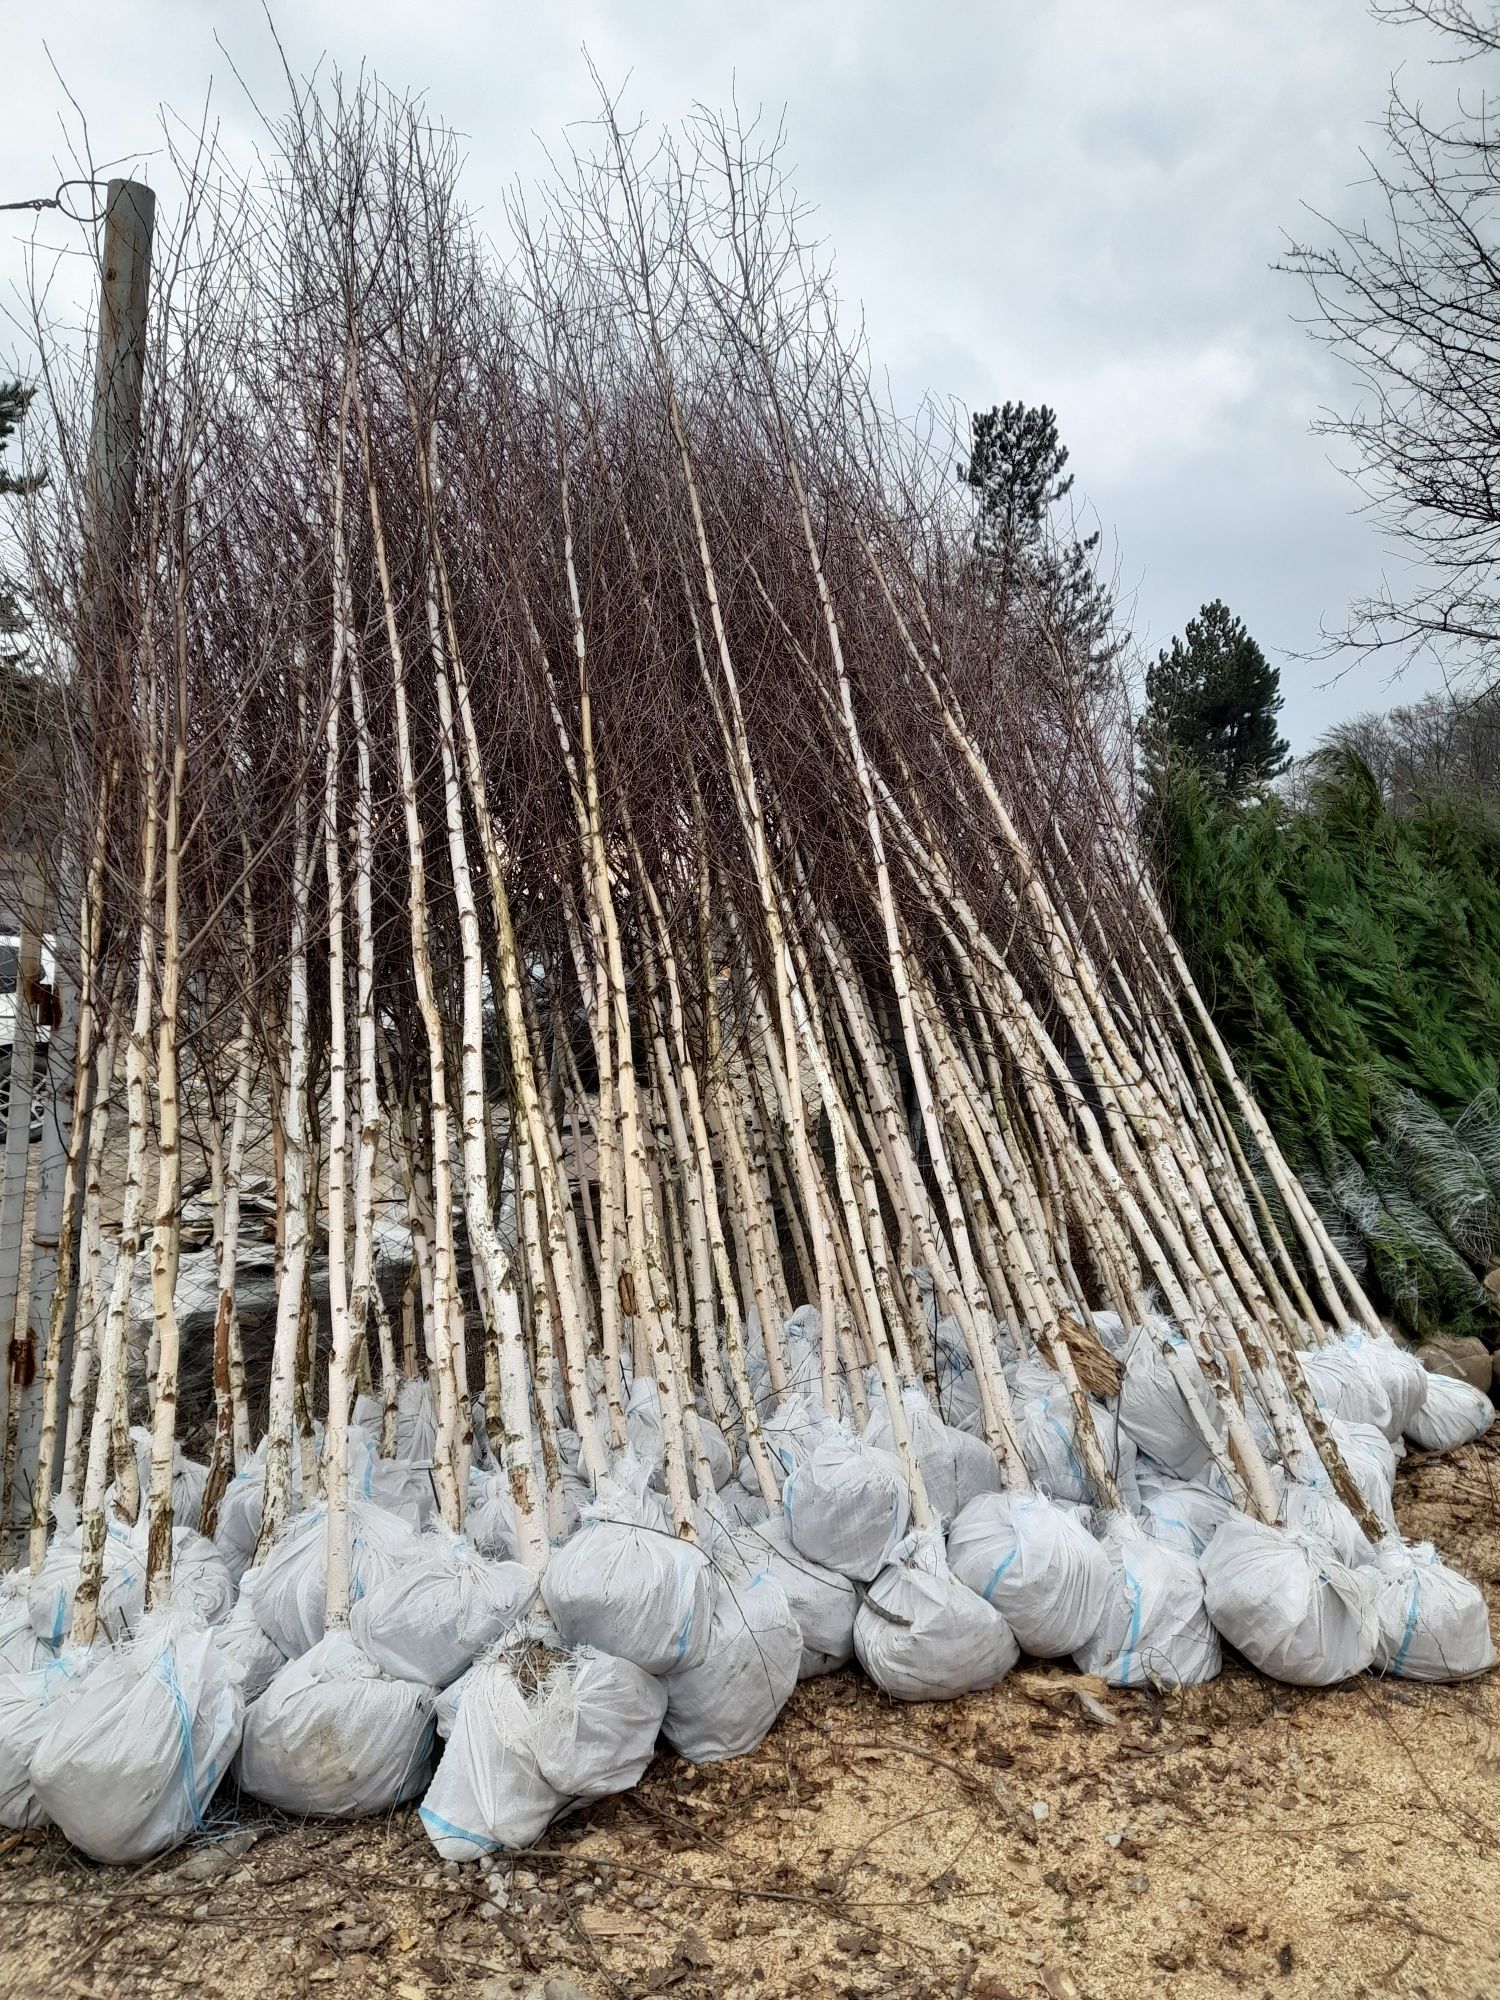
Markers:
point(38, 202)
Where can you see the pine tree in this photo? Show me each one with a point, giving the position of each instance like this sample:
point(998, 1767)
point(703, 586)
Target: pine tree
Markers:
point(1016, 467)
point(1212, 699)
point(14, 397)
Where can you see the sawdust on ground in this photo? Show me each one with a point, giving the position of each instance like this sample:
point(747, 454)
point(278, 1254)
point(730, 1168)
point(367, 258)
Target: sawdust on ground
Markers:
point(1241, 1838)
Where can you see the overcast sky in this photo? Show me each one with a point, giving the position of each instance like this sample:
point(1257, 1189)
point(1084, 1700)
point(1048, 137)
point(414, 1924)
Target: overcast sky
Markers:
point(1069, 201)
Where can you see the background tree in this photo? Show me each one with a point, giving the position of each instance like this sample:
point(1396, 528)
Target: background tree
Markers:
point(1435, 745)
point(1034, 567)
point(14, 398)
point(1212, 699)
point(1411, 301)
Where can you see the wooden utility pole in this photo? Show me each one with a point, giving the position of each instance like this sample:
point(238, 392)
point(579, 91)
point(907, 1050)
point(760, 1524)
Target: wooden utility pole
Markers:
point(114, 444)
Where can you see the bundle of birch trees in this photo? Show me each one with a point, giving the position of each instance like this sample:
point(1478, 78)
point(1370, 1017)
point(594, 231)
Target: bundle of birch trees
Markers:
point(547, 784)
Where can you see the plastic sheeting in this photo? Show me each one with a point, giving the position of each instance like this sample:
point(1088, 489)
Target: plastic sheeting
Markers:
point(433, 1616)
point(823, 1602)
point(846, 1504)
point(334, 1735)
point(27, 1701)
point(626, 1584)
point(949, 1640)
point(1151, 1407)
point(529, 1731)
point(1159, 1631)
point(955, 1465)
point(287, 1591)
point(1454, 1413)
point(1286, 1602)
point(726, 1704)
point(131, 1762)
point(1434, 1625)
point(1038, 1565)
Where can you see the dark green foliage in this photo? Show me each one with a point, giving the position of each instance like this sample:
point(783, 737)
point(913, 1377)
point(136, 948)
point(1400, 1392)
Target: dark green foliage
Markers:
point(1212, 699)
point(1016, 468)
point(1352, 959)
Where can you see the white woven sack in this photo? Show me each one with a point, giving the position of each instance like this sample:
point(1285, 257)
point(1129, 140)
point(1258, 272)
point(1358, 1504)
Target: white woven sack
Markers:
point(1371, 1459)
point(616, 1712)
point(1038, 1565)
point(1400, 1373)
point(416, 1420)
point(1151, 1406)
point(1184, 1514)
point(1311, 1507)
point(333, 1735)
point(27, 1702)
point(203, 1591)
point(626, 1584)
point(1159, 1632)
point(922, 1635)
point(488, 1791)
point(1434, 1624)
point(955, 1465)
point(1286, 1602)
point(1047, 1432)
point(728, 1702)
point(122, 1591)
point(530, 1729)
point(20, 1648)
point(434, 1615)
point(823, 1602)
point(238, 1528)
point(289, 1587)
point(1347, 1385)
point(130, 1765)
point(790, 1433)
point(253, 1657)
point(401, 1487)
point(1454, 1413)
point(846, 1504)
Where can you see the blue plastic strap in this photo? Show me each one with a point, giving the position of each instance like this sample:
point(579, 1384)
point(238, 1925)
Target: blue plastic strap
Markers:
point(999, 1571)
point(1411, 1624)
point(438, 1824)
point(1133, 1632)
point(165, 1669)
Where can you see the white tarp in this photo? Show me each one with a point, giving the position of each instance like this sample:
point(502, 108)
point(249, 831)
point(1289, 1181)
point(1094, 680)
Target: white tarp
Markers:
point(433, 1616)
point(1288, 1604)
point(922, 1635)
point(1159, 1631)
point(333, 1735)
point(846, 1504)
point(1037, 1564)
point(1434, 1625)
point(134, 1755)
point(626, 1584)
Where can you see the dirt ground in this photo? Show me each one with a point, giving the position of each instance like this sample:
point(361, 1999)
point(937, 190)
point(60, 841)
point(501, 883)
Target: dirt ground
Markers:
point(1237, 1839)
